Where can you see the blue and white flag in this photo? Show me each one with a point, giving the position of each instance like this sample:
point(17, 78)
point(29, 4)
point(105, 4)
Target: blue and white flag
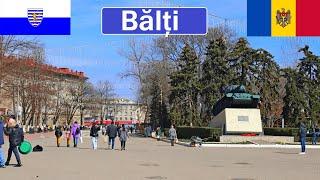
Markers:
point(35, 17)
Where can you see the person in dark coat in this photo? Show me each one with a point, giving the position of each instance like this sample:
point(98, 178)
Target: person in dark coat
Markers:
point(303, 134)
point(58, 133)
point(123, 136)
point(112, 133)
point(94, 134)
point(16, 137)
point(2, 161)
point(314, 134)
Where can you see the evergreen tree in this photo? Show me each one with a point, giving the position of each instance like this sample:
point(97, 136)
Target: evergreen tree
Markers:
point(268, 86)
point(309, 83)
point(242, 62)
point(294, 102)
point(215, 75)
point(185, 89)
point(158, 109)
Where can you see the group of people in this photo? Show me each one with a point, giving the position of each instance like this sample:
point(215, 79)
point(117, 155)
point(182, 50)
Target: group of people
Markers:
point(16, 136)
point(303, 136)
point(75, 133)
point(72, 132)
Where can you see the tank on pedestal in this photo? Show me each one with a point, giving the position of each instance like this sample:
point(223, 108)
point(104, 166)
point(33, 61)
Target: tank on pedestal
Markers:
point(237, 112)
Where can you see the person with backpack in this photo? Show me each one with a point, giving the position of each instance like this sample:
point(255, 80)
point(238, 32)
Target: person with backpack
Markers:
point(112, 133)
point(123, 136)
point(75, 132)
point(94, 134)
point(58, 133)
point(16, 137)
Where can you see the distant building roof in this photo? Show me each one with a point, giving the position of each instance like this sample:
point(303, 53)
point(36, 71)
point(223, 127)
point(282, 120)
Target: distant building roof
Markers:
point(44, 67)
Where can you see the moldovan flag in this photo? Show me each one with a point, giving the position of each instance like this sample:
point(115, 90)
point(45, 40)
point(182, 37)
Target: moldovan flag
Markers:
point(35, 17)
point(283, 17)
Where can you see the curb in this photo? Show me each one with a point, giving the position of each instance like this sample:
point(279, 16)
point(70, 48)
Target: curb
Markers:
point(275, 146)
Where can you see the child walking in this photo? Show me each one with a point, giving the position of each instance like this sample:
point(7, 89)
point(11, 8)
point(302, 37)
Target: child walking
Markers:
point(68, 136)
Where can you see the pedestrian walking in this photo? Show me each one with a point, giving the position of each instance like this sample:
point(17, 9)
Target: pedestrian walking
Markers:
point(68, 135)
point(158, 133)
point(75, 132)
point(2, 161)
point(172, 135)
point(94, 134)
point(314, 135)
point(123, 136)
point(16, 137)
point(112, 134)
point(131, 129)
point(81, 133)
point(58, 133)
point(303, 134)
point(103, 130)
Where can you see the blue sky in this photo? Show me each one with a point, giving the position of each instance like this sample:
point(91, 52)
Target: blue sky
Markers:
point(98, 56)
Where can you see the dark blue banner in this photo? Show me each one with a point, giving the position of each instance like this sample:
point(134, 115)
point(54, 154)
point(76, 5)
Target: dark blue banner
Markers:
point(148, 21)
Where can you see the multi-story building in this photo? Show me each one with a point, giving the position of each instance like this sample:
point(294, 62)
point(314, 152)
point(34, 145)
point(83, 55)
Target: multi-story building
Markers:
point(36, 92)
point(126, 110)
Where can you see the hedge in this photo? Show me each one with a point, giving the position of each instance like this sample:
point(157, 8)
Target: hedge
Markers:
point(282, 132)
point(186, 132)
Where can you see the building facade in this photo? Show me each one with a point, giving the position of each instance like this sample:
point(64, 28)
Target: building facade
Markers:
point(126, 110)
point(37, 93)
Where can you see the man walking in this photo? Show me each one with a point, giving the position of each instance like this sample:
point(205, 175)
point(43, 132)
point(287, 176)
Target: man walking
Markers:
point(303, 134)
point(58, 133)
point(2, 161)
point(172, 135)
point(112, 133)
point(94, 133)
point(16, 137)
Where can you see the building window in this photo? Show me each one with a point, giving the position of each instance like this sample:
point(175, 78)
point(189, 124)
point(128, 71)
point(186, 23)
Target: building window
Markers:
point(120, 118)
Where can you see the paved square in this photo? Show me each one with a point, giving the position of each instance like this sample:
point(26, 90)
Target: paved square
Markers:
point(148, 159)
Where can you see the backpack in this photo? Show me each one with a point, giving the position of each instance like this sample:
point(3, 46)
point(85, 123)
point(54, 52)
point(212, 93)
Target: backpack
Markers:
point(37, 148)
point(58, 132)
point(77, 131)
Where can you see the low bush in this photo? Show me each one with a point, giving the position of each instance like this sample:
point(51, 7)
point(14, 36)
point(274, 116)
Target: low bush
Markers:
point(186, 132)
point(282, 132)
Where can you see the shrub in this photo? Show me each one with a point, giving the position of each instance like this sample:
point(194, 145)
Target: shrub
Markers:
point(282, 132)
point(166, 132)
point(186, 132)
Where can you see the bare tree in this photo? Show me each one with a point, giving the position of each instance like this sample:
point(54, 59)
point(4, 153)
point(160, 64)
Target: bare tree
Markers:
point(104, 94)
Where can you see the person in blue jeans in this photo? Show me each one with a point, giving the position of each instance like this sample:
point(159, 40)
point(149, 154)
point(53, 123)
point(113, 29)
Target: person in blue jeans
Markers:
point(112, 132)
point(303, 134)
point(2, 160)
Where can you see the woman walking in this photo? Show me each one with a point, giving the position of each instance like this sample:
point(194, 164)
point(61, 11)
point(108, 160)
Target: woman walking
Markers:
point(94, 134)
point(75, 132)
point(172, 135)
point(123, 136)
